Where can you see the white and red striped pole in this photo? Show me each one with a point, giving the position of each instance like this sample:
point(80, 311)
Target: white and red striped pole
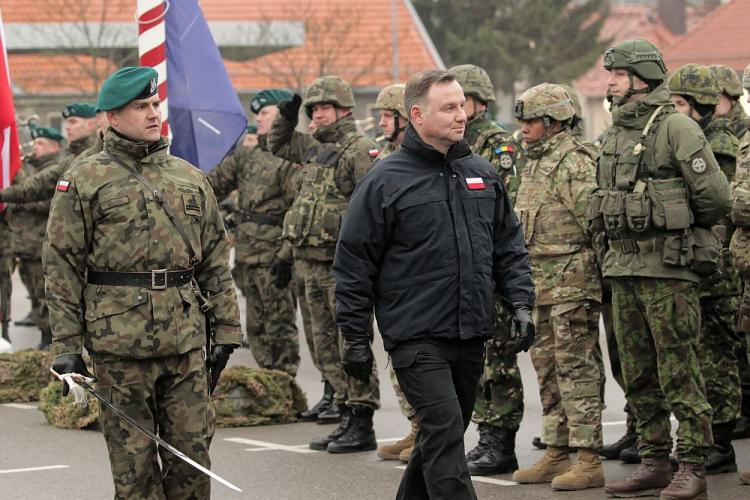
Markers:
point(152, 47)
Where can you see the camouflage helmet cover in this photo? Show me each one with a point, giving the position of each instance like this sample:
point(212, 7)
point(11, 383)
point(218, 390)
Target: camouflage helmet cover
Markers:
point(696, 81)
point(728, 80)
point(475, 81)
point(329, 89)
point(546, 99)
point(392, 97)
point(746, 77)
point(639, 57)
point(576, 100)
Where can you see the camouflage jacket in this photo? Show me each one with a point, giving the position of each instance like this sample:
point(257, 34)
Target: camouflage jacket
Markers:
point(266, 188)
point(103, 218)
point(29, 220)
point(340, 147)
point(740, 122)
point(557, 180)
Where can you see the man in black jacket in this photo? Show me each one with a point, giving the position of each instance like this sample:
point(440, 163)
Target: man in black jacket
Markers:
point(428, 237)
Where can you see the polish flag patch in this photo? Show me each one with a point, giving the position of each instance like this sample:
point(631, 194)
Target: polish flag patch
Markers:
point(474, 183)
point(373, 152)
point(63, 185)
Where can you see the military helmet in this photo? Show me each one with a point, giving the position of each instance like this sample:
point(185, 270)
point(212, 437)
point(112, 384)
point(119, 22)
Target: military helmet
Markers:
point(392, 97)
point(574, 97)
point(475, 81)
point(639, 57)
point(746, 77)
point(728, 80)
point(546, 99)
point(329, 89)
point(696, 81)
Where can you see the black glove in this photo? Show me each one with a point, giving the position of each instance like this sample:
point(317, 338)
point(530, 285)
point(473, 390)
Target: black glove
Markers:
point(282, 271)
point(356, 357)
point(521, 328)
point(290, 109)
point(70, 363)
point(217, 361)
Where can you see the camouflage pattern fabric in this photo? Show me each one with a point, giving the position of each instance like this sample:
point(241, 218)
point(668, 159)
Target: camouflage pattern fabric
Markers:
point(169, 394)
point(739, 120)
point(696, 81)
point(304, 312)
point(60, 412)
point(23, 374)
point(329, 89)
point(407, 409)
point(492, 142)
point(475, 82)
point(256, 396)
point(32, 276)
point(657, 324)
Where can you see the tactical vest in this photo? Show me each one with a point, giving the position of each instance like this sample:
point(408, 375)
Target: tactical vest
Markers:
point(549, 227)
point(314, 219)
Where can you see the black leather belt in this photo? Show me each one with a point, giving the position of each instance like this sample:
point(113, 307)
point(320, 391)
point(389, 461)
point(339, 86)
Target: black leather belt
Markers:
point(270, 220)
point(158, 279)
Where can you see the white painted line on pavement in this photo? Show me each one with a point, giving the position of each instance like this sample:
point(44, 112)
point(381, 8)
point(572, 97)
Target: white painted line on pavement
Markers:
point(33, 469)
point(270, 446)
point(20, 406)
point(480, 479)
point(620, 422)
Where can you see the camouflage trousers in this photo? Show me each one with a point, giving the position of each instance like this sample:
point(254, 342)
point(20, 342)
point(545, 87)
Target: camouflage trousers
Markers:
point(319, 291)
point(304, 311)
point(169, 395)
point(719, 344)
point(657, 324)
point(32, 277)
point(499, 400)
point(6, 290)
point(743, 353)
point(407, 409)
point(614, 353)
point(270, 312)
point(569, 368)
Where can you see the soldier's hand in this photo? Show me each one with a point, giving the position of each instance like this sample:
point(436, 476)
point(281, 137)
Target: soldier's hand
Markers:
point(217, 361)
point(282, 272)
point(521, 328)
point(356, 357)
point(70, 363)
point(290, 109)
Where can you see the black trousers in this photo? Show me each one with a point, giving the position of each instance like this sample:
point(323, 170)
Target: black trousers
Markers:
point(439, 379)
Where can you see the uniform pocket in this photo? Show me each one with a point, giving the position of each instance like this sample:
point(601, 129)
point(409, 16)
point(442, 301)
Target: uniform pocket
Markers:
point(613, 210)
point(638, 212)
point(594, 212)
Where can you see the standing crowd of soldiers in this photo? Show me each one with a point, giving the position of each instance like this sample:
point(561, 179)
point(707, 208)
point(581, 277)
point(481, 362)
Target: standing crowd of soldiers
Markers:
point(649, 230)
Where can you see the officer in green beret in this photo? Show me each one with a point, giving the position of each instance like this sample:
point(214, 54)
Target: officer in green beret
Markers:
point(136, 262)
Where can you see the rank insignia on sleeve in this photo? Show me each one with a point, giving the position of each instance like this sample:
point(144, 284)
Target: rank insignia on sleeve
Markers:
point(474, 183)
point(699, 165)
point(63, 185)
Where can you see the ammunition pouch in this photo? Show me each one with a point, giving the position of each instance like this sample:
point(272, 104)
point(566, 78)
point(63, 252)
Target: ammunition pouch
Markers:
point(670, 209)
point(638, 212)
point(707, 247)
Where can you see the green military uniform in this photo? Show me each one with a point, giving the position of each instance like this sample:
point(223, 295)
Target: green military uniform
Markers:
point(6, 269)
point(266, 188)
point(145, 338)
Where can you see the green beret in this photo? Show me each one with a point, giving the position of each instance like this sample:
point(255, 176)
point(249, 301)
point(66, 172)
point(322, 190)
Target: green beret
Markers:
point(46, 132)
point(252, 128)
point(127, 84)
point(80, 109)
point(269, 97)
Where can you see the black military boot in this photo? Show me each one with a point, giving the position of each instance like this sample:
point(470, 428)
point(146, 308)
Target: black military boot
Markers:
point(311, 415)
point(742, 428)
point(4, 328)
point(484, 438)
point(721, 459)
point(500, 455)
point(359, 436)
point(46, 340)
point(321, 443)
point(612, 451)
point(330, 415)
point(27, 321)
point(630, 454)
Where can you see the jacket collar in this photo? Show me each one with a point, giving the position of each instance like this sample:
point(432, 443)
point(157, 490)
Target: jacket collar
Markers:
point(117, 144)
point(635, 114)
point(336, 130)
point(413, 143)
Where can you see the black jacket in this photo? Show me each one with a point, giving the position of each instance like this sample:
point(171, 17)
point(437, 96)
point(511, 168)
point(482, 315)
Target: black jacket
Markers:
point(425, 250)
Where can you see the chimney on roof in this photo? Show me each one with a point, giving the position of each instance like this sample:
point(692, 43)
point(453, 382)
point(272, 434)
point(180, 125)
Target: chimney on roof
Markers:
point(673, 13)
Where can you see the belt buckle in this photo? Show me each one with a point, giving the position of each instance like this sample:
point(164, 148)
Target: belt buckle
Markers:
point(155, 275)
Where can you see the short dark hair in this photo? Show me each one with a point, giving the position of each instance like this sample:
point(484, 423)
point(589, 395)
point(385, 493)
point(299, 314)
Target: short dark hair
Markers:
point(419, 85)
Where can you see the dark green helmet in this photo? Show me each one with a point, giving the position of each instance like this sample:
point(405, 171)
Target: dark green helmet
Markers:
point(639, 57)
point(696, 81)
point(329, 89)
point(475, 81)
point(728, 79)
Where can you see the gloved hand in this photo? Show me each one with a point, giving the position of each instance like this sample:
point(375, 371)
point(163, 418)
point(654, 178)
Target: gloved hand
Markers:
point(70, 363)
point(356, 357)
point(217, 361)
point(290, 109)
point(282, 272)
point(521, 328)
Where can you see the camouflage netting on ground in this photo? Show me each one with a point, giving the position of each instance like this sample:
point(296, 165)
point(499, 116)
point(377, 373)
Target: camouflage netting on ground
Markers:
point(23, 374)
point(255, 396)
point(61, 412)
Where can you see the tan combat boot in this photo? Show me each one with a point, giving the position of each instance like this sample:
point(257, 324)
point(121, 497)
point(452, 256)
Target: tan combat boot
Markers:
point(651, 476)
point(393, 451)
point(405, 455)
point(554, 462)
point(689, 483)
point(745, 477)
point(587, 472)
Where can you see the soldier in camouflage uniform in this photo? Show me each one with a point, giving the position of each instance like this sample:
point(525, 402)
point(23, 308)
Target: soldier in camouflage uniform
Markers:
point(729, 99)
point(127, 281)
point(695, 92)
point(266, 189)
point(334, 158)
point(659, 193)
point(499, 404)
point(6, 270)
point(557, 180)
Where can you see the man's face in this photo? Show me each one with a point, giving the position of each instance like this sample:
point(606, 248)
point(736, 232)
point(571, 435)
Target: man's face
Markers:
point(78, 128)
point(324, 114)
point(532, 130)
point(724, 106)
point(474, 107)
point(387, 122)
point(264, 119)
point(681, 105)
point(441, 121)
point(139, 120)
point(618, 83)
point(43, 147)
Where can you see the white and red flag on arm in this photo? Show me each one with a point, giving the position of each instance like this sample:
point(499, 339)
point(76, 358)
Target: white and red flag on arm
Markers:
point(10, 152)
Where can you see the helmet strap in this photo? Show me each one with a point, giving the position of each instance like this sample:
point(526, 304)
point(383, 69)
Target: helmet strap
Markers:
point(397, 128)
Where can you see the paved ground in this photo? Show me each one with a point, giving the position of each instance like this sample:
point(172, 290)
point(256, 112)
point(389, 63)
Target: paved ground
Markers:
point(40, 462)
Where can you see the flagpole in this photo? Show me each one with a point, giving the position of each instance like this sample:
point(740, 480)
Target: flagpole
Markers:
point(10, 151)
point(152, 47)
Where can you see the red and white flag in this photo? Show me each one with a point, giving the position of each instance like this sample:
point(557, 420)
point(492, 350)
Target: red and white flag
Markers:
point(475, 183)
point(10, 152)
